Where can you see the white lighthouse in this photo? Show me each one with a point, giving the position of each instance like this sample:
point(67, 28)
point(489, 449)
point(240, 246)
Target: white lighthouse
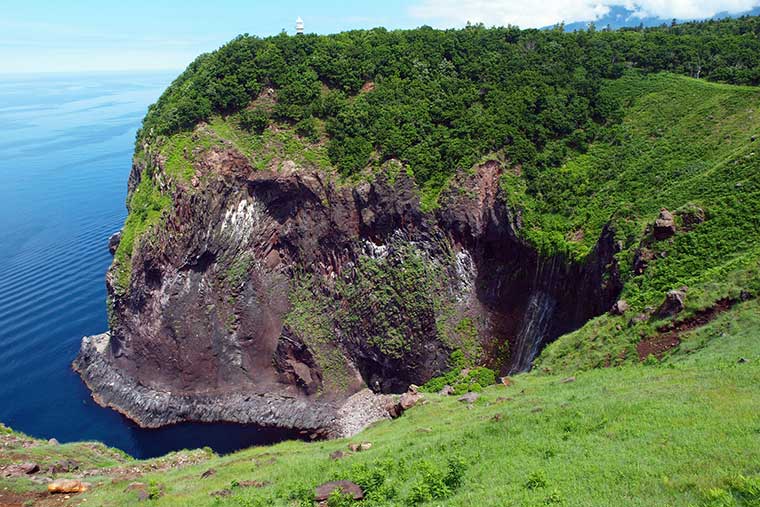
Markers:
point(299, 26)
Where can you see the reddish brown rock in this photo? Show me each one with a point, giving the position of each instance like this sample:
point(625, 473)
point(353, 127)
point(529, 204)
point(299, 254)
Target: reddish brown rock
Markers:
point(447, 390)
point(207, 301)
point(410, 399)
point(19, 470)
point(673, 304)
point(691, 216)
point(664, 226)
point(322, 493)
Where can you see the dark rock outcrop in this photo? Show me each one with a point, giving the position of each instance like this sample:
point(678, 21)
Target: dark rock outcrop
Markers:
point(323, 492)
point(674, 303)
point(113, 242)
point(664, 226)
point(275, 297)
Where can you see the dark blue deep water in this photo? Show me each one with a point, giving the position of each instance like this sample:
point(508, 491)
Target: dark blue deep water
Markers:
point(65, 154)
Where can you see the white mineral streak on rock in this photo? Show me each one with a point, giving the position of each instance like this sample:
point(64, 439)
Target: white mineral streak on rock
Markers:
point(375, 251)
point(466, 274)
point(242, 221)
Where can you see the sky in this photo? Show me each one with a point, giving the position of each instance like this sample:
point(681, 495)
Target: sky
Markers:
point(105, 35)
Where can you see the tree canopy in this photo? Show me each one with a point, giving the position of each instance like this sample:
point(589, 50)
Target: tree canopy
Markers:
point(441, 99)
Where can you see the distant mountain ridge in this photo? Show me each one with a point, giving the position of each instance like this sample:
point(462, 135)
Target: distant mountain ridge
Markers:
point(622, 17)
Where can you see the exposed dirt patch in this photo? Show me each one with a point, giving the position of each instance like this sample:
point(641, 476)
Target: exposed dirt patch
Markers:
point(368, 87)
point(669, 336)
point(11, 499)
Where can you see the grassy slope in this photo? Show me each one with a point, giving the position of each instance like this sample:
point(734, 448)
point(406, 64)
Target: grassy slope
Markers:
point(684, 142)
point(675, 434)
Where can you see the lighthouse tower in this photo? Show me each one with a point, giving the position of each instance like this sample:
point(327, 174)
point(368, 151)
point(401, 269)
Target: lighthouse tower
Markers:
point(299, 26)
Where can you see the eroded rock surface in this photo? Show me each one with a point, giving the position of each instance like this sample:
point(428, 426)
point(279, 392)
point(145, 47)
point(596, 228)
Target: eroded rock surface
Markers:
point(274, 297)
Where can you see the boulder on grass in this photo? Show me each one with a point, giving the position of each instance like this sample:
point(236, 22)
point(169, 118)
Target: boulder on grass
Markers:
point(674, 303)
point(323, 492)
point(60, 486)
point(620, 307)
point(469, 398)
point(664, 226)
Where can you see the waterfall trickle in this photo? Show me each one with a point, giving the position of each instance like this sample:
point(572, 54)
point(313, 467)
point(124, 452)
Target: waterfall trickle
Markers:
point(533, 331)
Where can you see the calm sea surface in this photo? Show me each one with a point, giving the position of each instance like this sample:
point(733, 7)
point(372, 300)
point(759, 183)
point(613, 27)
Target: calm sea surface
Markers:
point(65, 154)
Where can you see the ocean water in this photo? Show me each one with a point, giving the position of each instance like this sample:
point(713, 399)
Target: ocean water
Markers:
point(65, 154)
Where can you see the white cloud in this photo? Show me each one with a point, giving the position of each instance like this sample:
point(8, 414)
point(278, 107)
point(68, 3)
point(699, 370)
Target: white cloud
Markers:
point(538, 13)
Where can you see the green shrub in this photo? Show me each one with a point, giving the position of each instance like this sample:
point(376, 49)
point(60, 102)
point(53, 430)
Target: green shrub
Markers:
point(308, 128)
point(536, 480)
point(475, 380)
point(253, 120)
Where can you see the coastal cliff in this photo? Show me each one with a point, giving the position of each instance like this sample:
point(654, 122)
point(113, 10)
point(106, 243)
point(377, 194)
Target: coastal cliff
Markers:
point(272, 296)
point(314, 217)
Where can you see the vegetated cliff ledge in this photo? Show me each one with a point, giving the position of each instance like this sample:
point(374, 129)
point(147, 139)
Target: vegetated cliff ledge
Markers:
point(272, 296)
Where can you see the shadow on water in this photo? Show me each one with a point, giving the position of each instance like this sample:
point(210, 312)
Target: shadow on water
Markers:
point(222, 438)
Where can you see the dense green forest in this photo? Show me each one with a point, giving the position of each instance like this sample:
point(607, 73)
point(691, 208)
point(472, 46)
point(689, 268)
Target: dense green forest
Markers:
point(441, 100)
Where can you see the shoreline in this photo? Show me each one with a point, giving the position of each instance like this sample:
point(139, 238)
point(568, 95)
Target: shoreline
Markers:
point(152, 409)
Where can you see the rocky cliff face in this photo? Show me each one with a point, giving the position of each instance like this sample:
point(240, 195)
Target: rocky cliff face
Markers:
point(273, 296)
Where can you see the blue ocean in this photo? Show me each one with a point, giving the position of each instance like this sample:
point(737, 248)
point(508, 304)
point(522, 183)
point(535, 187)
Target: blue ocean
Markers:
point(66, 145)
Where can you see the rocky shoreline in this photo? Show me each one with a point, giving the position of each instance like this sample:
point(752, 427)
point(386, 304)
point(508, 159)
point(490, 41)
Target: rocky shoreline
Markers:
point(150, 408)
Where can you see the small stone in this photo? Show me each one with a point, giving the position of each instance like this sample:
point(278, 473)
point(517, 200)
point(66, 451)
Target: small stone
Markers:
point(221, 493)
point(53, 441)
point(63, 466)
point(619, 308)
point(568, 380)
point(113, 242)
point(469, 398)
point(365, 446)
point(136, 486)
point(409, 399)
point(322, 493)
point(446, 391)
point(536, 410)
point(208, 473)
point(673, 304)
point(743, 360)
point(353, 447)
point(253, 484)
point(336, 455)
point(60, 486)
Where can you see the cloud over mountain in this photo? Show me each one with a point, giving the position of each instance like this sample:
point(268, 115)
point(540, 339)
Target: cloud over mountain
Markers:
point(528, 14)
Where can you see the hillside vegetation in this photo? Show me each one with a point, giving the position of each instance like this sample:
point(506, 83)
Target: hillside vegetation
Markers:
point(683, 144)
point(594, 130)
point(440, 100)
point(685, 432)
